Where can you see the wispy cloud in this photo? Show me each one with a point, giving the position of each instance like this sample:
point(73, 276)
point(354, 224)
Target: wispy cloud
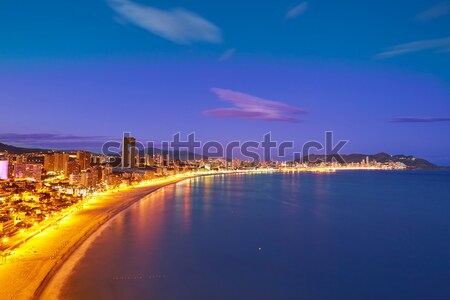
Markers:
point(253, 108)
point(177, 25)
point(419, 120)
point(52, 140)
point(438, 45)
point(227, 54)
point(438, 10)
point(296, 11)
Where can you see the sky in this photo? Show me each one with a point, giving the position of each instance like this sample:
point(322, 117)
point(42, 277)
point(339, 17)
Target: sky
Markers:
point(377, 73)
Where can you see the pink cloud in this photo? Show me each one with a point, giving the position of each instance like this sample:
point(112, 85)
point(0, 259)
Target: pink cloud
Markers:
point(253, 108)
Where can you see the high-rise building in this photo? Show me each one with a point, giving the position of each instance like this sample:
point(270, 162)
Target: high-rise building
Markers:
point(167, 159)
point(49, 163)
point(84, 159)
point(72, 166)
point(3, 169)
point(96, 174)
point(106, 171)
point(75, 179)
point(128, 151)
point(137, 159)
point(86, 178)
point(159, 160)
point(61, 160)
point(149, 161)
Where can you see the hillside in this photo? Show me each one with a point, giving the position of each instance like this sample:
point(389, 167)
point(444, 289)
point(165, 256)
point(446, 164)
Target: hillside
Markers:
point(408, 160)
point(19, 150)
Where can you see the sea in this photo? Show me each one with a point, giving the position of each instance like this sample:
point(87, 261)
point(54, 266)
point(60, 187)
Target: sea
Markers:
point(345, 235)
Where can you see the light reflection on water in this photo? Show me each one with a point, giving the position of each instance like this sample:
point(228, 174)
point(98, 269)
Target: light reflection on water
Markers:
point(349, 235)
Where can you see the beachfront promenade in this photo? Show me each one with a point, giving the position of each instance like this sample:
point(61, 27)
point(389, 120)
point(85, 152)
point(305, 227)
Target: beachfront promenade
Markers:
point(25, 272)
point(38, 256)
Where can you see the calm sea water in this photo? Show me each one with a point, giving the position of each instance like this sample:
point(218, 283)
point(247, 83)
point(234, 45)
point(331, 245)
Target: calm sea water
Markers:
point(349, 235)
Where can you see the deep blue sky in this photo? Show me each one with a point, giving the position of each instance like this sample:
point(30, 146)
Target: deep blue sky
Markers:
point(74, 72)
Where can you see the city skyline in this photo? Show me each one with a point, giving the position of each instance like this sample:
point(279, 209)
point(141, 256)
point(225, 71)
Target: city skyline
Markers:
point(375, 74)
point(290, 149)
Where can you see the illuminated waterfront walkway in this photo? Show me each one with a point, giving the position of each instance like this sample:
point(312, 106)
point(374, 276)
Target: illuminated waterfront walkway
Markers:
point(40, 252)
point(29, 266)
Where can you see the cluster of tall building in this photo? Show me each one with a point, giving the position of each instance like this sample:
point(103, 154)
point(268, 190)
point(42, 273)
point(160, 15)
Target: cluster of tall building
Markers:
point(19, 167)
point(56, 162)
point(86, 169)
point(66, 163)
point(131, 158)
point(33, 166)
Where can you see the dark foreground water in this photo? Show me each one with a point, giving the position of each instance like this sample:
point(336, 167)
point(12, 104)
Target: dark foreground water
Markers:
point(349, 235)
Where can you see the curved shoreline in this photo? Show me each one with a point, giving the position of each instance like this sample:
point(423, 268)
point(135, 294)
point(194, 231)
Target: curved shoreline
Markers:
point(45, 288)
point(42, 290)
point(27, 272)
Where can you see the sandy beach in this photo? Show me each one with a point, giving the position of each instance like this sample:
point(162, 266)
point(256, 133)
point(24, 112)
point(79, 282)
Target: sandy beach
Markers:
point(27, 271)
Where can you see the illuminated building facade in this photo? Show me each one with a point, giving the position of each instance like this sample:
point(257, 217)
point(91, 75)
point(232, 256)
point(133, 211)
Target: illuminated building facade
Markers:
point(49, 163)
point(128, 151)
point(86, 179)
point(75, 179)
point(84, 159)
point(61, 160)
point(3, 169)
point(70, 167)
point(29, 171)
